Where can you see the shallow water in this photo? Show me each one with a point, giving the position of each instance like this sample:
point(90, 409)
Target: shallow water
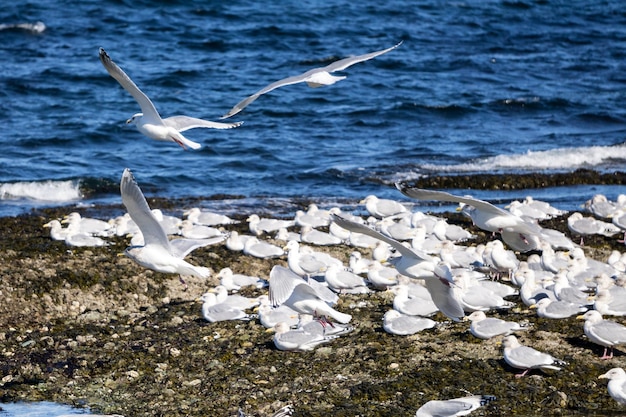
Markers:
point(39, 409)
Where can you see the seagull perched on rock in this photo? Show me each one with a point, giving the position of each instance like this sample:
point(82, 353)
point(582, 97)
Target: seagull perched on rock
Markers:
point(526, 358)
point(617, 384)
point(603, 332)
point(454, 407)
point(149, 122)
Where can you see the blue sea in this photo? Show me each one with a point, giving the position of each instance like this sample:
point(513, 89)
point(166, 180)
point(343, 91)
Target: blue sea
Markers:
point(476, 87)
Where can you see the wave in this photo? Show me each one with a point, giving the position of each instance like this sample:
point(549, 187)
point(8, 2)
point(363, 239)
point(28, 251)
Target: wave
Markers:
point(50, 191)
point(37, 27)
point(593, 157)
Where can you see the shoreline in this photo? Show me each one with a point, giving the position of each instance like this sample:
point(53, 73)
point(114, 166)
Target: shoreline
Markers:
point(87, 327)
point(103, 196)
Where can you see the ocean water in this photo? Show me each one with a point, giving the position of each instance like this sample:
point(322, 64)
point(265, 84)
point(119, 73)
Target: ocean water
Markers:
point(475, 87)
point(39, 409)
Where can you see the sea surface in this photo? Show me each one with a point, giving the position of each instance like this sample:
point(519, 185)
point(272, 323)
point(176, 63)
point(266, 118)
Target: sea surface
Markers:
point(475, 87)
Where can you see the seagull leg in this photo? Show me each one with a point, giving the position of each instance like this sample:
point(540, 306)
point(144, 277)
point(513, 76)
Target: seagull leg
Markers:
point(182, 145)
point(324, 321)
point(522, 374)
point(609, 356)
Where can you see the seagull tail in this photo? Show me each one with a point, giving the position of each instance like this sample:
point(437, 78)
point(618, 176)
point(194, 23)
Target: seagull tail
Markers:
point(342, 318)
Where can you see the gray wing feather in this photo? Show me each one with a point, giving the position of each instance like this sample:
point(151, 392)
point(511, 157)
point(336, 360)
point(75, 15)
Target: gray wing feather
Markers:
point(147, 108)
point(422, 194)
point(139, 211)
point(363, 229)
point(443, 297)
point(183, 247)
point(282, 283)
point(335, 66)
point(246, 101)
point(348, 62)
point(182, 123)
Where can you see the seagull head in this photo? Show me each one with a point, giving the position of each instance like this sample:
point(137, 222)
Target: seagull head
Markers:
point(135, 119)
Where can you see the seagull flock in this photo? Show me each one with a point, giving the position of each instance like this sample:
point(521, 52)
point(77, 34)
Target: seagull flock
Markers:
point(426, 265)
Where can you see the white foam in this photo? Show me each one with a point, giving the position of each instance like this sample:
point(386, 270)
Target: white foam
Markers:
point(37, 27)
point(57, 191)
point(554, 159)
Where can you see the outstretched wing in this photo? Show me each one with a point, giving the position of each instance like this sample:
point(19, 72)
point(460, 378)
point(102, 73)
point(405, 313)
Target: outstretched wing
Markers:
point(361, 228)
point(182, 247)
point(147, 108)
point(347, 62)
point(335, 66)
point(139, 211)
point(282, 283)
point(422, 194)
point(280, 83)
point(182, 123)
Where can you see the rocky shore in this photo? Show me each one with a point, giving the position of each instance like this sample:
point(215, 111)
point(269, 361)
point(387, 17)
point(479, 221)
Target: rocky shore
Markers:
point(91, 328)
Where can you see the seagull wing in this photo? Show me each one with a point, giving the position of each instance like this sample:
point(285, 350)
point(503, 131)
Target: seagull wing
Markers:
point(444, 298)
point(347, 62)
point(285, 81)
point(453, 407)
point(361, 228)
point(182, 123)
point(139, 211)
point(147, 108)
point(422, 194)
point(282, 283)
point(183, 247)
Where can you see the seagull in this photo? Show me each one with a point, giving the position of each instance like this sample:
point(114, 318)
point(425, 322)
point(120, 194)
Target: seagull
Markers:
point(603, 332)
point(617, 384)
point(208, 218)
point(149, 121)
point(297, 340)
point(585, 226)
point(383, 207)
point(158, 253)
point(401, 324)
point(213, 311)
point(341, 280)
point(234, 282)
point(290, 289)
point(454, 407)
point(555, 309)
point(418, 265)
point(526, 358)
point(314, 78)
point(484, 327)
point(519, 234)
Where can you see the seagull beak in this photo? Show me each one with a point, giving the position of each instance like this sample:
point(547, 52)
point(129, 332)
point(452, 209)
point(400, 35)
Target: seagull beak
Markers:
point(580, 317)
point(270, 330)
point(129, 121)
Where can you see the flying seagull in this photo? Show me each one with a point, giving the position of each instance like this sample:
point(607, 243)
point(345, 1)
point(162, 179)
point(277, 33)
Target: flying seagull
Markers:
point(158, 253)
point(314, 78)
point(418, 265)
point(149, 122)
